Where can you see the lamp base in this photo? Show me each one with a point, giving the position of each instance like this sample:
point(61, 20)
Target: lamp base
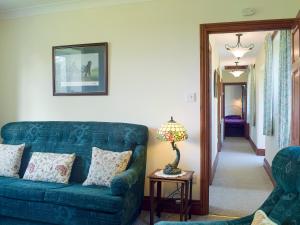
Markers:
point(171, 170)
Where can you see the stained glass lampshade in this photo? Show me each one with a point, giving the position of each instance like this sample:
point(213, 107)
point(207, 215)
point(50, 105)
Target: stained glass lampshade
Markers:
point(172, 132)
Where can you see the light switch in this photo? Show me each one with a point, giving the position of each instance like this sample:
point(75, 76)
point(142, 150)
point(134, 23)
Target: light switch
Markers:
point(191, 97)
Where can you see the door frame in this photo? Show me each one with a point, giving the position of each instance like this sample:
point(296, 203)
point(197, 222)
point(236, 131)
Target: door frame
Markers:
point(205, 127)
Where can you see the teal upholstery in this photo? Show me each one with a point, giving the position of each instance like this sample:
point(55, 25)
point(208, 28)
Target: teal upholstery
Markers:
point(24, 202)
point(91, 197)
point(27, 190)
point(283, 204)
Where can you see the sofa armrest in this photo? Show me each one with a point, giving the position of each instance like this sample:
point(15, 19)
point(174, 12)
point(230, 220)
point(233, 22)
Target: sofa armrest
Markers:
point(123, 181)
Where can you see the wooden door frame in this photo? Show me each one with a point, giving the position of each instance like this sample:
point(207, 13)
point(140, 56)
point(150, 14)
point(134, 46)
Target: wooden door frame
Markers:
point(205, 127)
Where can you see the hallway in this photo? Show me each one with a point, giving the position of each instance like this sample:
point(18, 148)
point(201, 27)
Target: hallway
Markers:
point(240, 184)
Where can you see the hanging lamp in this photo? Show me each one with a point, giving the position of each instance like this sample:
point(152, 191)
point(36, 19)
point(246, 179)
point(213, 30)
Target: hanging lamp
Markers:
point(239, 50)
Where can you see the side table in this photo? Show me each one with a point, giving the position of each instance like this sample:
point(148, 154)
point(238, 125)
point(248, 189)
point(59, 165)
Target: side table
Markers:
point(185, 182)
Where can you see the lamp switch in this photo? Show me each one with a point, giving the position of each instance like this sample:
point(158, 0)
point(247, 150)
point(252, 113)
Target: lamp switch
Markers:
point(191, 97)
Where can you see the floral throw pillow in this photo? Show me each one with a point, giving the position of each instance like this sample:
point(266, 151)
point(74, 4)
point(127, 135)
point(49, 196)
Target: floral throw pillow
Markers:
point(105, 165)
point(260, 218)
point(10, 159)
point(50, 167)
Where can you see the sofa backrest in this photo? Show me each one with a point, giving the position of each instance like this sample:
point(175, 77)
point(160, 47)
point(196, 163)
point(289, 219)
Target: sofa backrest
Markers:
point(285, 200)
point(73, 137)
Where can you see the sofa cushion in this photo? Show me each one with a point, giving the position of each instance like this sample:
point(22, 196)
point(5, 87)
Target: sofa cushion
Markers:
point(89, 197)
point(50, 167)
point(105, 166)
point(7, 180)
point(260, 218)
point(10, 159)
point(25, 189)
point(42, 213)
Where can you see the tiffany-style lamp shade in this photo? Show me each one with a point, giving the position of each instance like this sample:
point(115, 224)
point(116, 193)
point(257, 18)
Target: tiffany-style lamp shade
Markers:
point(172, 132)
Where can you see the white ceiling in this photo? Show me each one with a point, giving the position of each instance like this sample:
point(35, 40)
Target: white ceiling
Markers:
point(21, 8)
point(226, 58)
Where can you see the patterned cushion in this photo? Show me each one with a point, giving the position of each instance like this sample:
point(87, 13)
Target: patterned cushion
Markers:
point(105, 165)
point(10, 159)
point(260, 218)
point(50, 167)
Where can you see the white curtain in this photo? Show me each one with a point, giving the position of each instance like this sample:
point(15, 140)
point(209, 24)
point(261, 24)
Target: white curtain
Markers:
point(285, 93)
point(251, 97)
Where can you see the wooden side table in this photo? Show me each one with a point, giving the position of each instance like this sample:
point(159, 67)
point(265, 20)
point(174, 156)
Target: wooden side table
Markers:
point(185, 182)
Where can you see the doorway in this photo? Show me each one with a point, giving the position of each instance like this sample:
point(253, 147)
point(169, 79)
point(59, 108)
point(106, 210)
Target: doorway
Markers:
point(205, 114)
point(235, 109)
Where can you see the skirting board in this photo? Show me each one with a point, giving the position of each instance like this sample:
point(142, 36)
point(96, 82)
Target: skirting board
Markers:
point(258, 151)
point(269, 171)
point(214, 168)
point(170, 206)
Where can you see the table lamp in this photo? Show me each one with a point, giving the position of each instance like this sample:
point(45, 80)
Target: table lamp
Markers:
point(172, 132)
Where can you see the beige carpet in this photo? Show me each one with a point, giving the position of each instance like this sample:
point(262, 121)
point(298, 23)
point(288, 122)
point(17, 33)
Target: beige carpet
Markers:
point(240, 184)
point(144, 218)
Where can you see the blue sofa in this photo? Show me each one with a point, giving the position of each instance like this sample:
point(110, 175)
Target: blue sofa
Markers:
point(283, 204)
point(24, 202)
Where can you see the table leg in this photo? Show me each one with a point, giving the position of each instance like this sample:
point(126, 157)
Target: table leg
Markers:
point(152, 202)
point(191, 197)
point(186, 200)
point(182, 201)
point(158, 209)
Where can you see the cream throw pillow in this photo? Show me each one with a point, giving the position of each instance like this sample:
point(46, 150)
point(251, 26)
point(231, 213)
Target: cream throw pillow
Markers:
point(50, 167)
point(10, 159)
point(105, 165)
point(260, 218)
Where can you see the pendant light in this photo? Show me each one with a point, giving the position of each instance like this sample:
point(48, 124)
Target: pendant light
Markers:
point(239, 50)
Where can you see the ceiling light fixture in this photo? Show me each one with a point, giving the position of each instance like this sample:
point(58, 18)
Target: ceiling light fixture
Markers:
point(239, 50)
point(236, 72)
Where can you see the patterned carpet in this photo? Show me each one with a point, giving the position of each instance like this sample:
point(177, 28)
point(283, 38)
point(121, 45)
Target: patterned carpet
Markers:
point(240, 184)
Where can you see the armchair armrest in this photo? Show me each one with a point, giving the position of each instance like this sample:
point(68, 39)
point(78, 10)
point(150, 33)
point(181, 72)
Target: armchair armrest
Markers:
point(125, 180)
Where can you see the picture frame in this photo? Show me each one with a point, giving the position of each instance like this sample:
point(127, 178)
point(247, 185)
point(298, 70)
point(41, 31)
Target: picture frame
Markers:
point(80, 70)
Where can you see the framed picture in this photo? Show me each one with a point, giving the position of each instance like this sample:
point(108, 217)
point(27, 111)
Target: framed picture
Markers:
point(80, 69)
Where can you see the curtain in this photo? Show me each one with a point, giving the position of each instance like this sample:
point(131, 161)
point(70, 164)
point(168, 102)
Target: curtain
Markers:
point(268, 87)
point(251, 97)
point(285, 81)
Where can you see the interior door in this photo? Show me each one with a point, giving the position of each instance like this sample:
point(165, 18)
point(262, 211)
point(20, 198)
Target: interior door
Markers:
point(295, 140)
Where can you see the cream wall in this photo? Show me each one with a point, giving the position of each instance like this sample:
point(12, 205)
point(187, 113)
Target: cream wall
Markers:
point(215, 64)
point(256, 132)
point(153, 63)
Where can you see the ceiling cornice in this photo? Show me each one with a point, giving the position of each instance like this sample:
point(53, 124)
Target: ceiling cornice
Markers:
point(61, 6)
